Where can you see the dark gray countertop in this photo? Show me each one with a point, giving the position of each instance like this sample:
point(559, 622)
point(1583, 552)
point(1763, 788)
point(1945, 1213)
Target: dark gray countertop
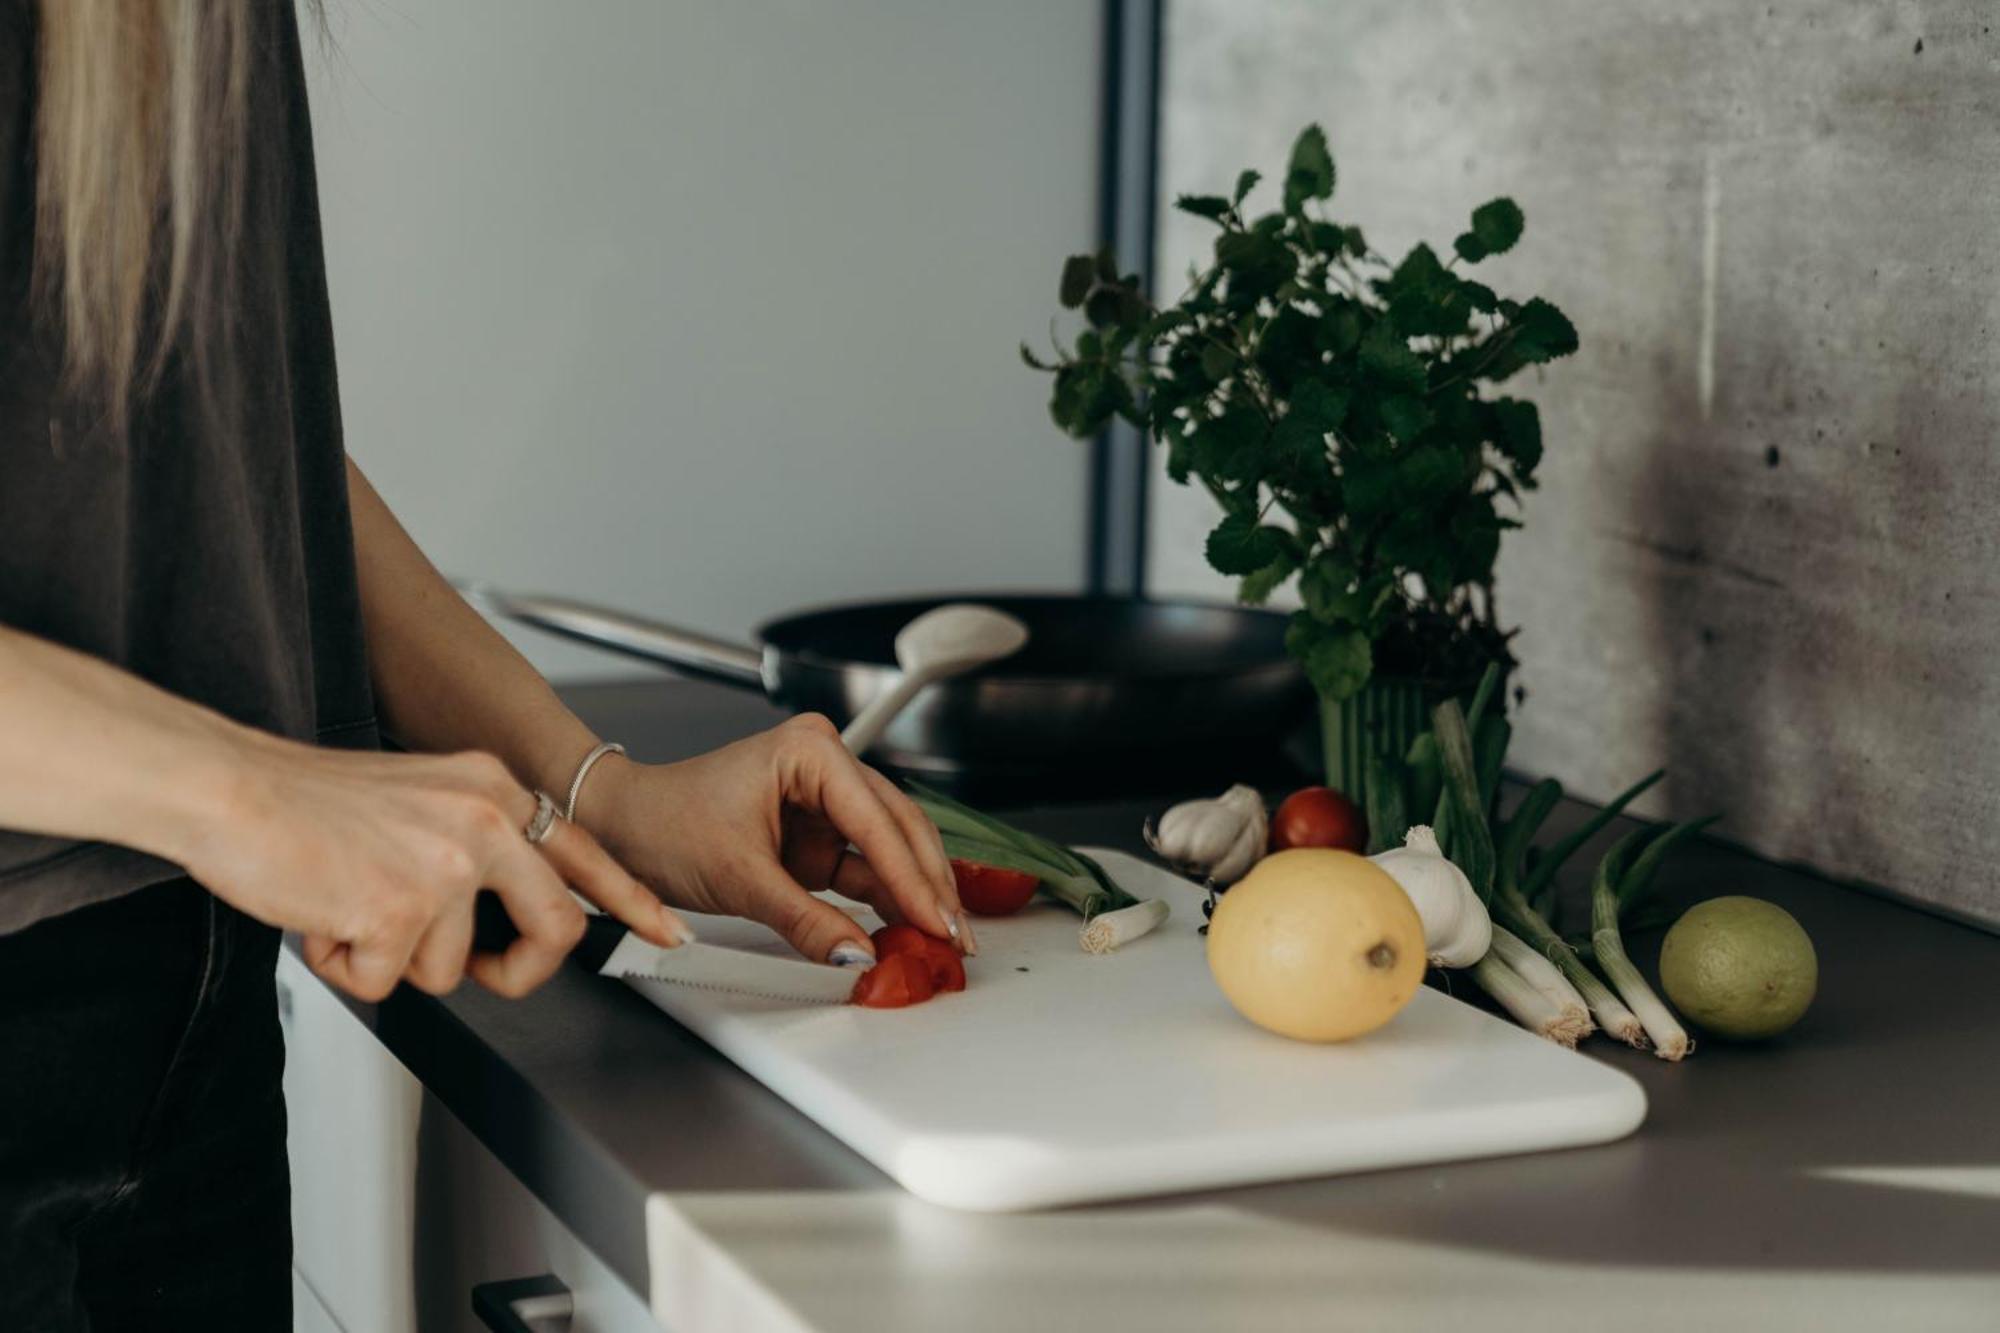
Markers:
point(1864, 1145)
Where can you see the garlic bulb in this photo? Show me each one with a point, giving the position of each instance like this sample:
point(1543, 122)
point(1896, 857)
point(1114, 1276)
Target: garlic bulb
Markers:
point(1457, 930)
point(1218, 839)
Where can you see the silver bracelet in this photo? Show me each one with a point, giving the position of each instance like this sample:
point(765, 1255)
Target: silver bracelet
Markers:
point(583, 771)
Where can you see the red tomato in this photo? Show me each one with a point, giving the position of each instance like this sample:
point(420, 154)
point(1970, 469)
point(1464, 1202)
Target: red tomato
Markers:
point(898, 980)
point(892, 940)
point(940, 960)
point(991, 891)
point(1319, 817)
point(946, 968)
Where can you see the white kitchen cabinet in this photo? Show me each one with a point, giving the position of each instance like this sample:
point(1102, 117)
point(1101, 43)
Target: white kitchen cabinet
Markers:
point(397, 1211)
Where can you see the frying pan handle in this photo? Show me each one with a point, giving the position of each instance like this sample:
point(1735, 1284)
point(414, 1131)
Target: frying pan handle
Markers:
point(690, 653)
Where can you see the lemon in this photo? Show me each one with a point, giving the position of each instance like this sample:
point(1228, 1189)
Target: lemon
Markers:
point(1317, 944)
point(1740, 967)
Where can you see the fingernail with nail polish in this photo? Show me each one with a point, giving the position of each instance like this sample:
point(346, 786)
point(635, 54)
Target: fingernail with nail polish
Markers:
point(849, 954)
point(676, 929)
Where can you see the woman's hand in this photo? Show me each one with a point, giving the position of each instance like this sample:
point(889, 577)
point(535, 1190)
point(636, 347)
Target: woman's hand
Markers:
point(377, 858)
point(750, 829)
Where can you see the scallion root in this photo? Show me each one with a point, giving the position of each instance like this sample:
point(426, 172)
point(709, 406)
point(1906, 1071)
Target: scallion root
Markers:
point(1107, 930)
point(1545, 977)
point(1531, 1007)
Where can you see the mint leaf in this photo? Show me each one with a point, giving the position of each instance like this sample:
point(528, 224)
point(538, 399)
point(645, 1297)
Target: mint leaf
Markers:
point(1545, 332)
point(1425, 299)
point(1386, 357)
point(1430, 472)
point(1519, 427)
point(1340, 329)
point(1256, 589)
point(1325, 586)
point(1244, 184)
point(1079, 273)
point(1241, 545)
point(1217, 360)
point(1257, 264)
point(1230, 448)
point(1319, 404)
point(1498, 225)
point(1310, 175)
point(1338, 662)
point(1211, 206)
point(1404, 417)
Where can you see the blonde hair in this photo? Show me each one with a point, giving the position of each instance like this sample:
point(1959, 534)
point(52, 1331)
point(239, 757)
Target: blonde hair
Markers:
point(141, 127)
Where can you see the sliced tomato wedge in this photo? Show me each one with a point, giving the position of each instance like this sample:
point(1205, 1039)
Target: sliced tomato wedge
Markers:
point(940, 960)
point(990, 890)
point(947, 969)
point(897, 981)
point(897, 939)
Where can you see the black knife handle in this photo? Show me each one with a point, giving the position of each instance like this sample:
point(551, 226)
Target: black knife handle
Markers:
point(493, 931)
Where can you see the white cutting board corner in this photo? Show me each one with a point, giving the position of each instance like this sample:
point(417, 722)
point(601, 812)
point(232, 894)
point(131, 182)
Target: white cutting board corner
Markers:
point(1060, 1078)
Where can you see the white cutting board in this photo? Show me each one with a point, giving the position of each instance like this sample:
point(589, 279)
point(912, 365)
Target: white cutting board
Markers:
point(1058, 1077)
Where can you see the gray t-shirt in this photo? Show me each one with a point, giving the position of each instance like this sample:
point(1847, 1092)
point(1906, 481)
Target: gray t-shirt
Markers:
point(210, 552)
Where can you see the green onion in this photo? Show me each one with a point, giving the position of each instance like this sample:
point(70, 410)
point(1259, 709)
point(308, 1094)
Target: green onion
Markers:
point(1071, 878)
point(1608, 890)
point(1512, 909)
point(1461, 816)
point(1539, 886)
point(1531, 1007)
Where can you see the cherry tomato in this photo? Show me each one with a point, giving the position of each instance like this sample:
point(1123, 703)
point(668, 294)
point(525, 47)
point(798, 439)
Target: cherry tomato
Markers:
point(940, 960)
point(898, 980)
point(899, 939)
point(990, 890)
point(1319, 817)
point(947, 969)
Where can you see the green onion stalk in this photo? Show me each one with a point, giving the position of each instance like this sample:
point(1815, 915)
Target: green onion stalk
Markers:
point(1616, 885)
point(1532, 1007)
point(1111, 915)
point(1514, 901)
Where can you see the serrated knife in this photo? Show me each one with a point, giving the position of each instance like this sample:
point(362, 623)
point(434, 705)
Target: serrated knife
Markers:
point(610, 949)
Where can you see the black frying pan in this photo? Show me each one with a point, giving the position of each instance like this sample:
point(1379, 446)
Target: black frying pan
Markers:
point(1104, 683)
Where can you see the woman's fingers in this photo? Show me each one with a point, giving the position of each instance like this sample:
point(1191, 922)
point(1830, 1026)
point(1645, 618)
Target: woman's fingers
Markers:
point(591, 871)
point(438, 964)
point(854, 878)
point(929, 847)
point(813, 926)
point(367, 970)
point(549, 921)
point(850, 802)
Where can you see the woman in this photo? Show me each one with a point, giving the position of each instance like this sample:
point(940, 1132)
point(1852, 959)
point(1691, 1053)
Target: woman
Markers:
point(205, 613)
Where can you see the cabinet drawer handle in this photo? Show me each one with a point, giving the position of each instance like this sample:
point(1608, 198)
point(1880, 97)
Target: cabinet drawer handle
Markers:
point(524, 1305)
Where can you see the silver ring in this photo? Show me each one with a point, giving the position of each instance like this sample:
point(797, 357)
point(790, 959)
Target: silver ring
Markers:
point(544, 823)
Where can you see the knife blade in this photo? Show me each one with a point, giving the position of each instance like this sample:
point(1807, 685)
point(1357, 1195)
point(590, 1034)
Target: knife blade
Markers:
point(610, 949)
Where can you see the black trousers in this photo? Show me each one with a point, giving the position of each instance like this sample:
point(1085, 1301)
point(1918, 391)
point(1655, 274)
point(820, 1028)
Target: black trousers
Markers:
point(143, 1181)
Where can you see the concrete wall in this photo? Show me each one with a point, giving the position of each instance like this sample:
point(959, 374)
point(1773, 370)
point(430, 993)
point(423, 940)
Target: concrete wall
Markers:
point(709, 309)
point(1767, 549)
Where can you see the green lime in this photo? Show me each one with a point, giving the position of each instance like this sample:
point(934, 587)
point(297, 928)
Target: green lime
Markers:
point(1740, 967)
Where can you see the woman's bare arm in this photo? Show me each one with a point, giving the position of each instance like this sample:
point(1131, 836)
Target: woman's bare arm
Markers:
point(744, 830)
point(91, 752)
point(375, 858)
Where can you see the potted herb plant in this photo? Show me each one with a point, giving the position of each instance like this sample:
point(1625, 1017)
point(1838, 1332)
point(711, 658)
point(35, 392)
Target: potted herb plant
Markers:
point(1343, 412)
